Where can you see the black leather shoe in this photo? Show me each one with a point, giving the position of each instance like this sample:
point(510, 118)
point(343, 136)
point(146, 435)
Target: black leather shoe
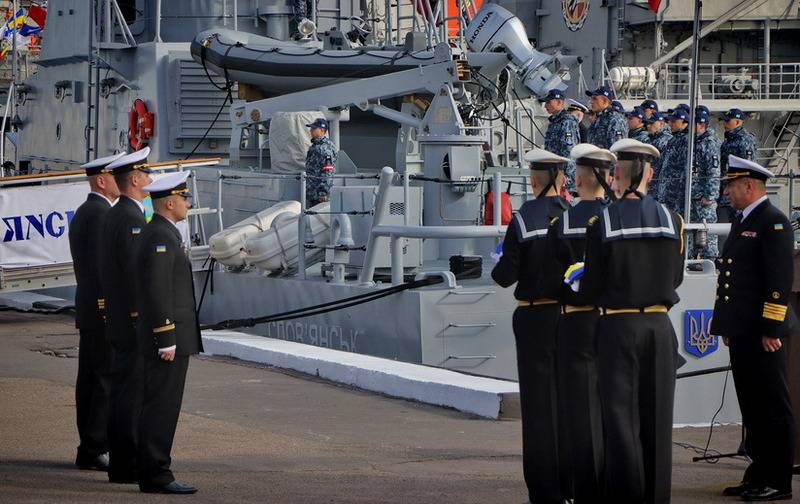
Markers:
point(97, 463)
point(736, 491)
point(176, 487)
point(758, 494)
point(124, 479)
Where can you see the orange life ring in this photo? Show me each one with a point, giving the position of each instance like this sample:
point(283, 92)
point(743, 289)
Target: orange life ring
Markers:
point(141, 125)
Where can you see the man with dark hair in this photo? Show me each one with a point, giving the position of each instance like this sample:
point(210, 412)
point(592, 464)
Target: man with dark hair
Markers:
point(527, 261)
point(563, 132)
point(168, 330)
point(755, 280)
point(123, 227)
point(94, 352)
point(609, 126)
point(634, 264)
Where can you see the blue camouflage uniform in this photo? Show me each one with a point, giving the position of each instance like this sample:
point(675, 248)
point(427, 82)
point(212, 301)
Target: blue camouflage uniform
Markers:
point(639, 133)
point(659, 140)
point(320, 162)
point(609, 127)
point(562, 135)
point(740, 143)
point(672, 176)
point(705, 185)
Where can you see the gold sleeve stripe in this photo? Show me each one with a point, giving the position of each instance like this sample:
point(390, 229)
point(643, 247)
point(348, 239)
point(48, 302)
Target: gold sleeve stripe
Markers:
point(774, 316)
point(774, 312)
point(164, 328)
point(773, 306)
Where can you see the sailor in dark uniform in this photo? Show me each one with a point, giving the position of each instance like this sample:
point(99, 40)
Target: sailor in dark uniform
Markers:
point(168, 331)
point(580, 433)
point(527, 262)
point(123, 227)
point(634, 263)
point(94, 353)
point(755, 280)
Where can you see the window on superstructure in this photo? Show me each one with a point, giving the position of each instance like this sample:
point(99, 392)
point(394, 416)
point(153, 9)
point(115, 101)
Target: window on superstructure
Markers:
point(128, 8)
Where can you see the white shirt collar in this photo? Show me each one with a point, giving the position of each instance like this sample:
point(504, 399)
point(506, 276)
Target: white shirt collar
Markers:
point(102, 196)
point(138, 203)
point(752, 205)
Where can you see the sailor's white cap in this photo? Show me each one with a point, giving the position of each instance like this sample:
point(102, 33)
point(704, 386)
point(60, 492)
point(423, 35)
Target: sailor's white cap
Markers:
point(169, 184)
point(740, 167)
point(628, 148)
point(540, 159)
point(575, 104)
point(587, 151)
point(99, 165)
point(131, 162)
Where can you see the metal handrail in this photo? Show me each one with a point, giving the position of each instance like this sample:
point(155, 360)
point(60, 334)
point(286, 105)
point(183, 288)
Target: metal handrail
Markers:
point(715, 80)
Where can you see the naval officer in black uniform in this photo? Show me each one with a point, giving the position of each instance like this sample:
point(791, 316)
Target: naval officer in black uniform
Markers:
point(527, 262)
point(755, 281)
point(168, 331)
point(580, 433)
point(634, 263)
point(94, 354)
point(123, 227)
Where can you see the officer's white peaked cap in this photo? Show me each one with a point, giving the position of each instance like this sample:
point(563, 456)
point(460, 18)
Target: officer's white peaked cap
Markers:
point(103, 161)
point(589, 151)
point(543, 156)
point(167, 182)
point(740, 167)
point(578, 105)
point(130, 159)
point(630, 146)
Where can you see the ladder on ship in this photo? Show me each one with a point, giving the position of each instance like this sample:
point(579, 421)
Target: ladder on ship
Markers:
point(786, 142)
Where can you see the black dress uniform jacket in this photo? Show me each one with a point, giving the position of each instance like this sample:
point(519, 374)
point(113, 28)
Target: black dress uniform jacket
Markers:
point(527, 261)
point(168, 318)
point(92, 387)
point(580, 433)
point(634, 263)
point(754, 284)
point(123, 228)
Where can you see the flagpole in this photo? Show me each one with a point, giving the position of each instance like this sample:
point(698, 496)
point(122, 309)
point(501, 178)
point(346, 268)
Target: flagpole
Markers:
point(698, 7)
point(14, 69)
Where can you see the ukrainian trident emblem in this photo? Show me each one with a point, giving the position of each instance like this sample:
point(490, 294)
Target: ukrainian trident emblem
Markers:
point(697, 337)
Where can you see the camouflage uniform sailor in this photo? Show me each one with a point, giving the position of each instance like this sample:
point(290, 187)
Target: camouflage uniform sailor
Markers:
point(563, 133)
point(740, 143)
point(649, 107)
point(636, 129)
point(320, 163)
point(672, 176)
point(658, 135)
point(609, 126)
point(705, 185)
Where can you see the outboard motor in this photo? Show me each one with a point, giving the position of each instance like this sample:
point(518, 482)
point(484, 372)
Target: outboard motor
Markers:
point(495, 29)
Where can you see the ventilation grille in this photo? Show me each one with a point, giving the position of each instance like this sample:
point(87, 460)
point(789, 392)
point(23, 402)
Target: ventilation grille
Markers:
point(199, 102)
point(397, 209)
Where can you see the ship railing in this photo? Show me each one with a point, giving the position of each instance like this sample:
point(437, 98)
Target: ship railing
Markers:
point(732, 81)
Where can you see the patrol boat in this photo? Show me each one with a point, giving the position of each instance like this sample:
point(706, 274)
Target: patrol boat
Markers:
point(430, 104)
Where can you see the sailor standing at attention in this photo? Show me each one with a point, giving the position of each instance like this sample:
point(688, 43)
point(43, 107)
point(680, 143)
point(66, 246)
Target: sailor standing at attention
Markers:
point(580, 433)
point(321, 161)
point(755, 281)
point(527, 262)
point(94, 352)
point(563, 132)
point(609, 126)
point(122, 229)
point(634, 263)
point(168, 331)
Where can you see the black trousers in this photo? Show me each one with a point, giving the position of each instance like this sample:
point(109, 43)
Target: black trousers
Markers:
point(126, 403)
point(636, 371)
point(535, 335)
point(763, 391)
point(92, 389)
point(580, 426)
point(163, 394)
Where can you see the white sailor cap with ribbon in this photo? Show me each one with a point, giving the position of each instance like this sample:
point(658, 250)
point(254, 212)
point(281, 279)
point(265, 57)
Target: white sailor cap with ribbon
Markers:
point(100, 165)
point(136, 160)
point(540, 159)
point(629, 149)
point(587, 154)
point(740, 168)
point(168, 185)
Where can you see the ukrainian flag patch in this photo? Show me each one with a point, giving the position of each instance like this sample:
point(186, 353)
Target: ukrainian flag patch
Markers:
point(777, 227)
point(161, 248)
point(136, 230)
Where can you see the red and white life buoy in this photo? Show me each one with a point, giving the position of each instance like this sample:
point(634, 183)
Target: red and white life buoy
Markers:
point(141, 125)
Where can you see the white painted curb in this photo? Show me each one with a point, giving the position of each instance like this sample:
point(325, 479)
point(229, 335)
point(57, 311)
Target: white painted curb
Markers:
point(440, 387)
